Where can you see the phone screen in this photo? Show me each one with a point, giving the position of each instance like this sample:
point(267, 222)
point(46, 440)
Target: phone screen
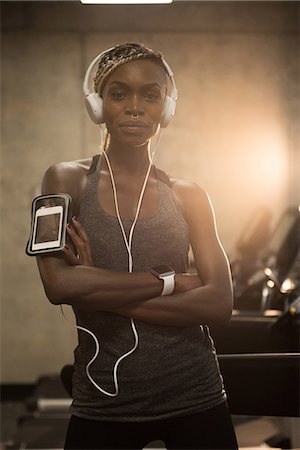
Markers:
point(47, 228)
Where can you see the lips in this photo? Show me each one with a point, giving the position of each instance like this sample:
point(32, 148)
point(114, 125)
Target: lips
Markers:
point(133, 125)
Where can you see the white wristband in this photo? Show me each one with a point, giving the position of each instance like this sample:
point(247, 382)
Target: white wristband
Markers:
point(169, 284)
point(167, 274)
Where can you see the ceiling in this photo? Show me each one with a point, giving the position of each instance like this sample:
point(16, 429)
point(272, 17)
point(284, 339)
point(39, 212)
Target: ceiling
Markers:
point(180, 16)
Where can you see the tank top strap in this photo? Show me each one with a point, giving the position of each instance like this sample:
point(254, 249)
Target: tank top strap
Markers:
point(162, 176)
point(95, 166)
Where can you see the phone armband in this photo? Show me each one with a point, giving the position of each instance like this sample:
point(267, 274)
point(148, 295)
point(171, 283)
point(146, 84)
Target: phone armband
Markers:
point(49, 217)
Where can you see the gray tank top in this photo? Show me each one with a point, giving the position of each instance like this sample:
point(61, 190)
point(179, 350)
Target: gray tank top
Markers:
point(174, 371)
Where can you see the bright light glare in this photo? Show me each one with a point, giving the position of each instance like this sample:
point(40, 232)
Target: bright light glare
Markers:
point(268, 271)
point(124, 2)
point(288, 285)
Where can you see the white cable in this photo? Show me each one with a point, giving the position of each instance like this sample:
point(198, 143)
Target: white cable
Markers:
point(115, 371)
point(128, 244)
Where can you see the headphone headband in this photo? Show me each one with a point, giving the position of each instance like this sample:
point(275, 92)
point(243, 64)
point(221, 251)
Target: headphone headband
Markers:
point(85, 86)
point(94, 103)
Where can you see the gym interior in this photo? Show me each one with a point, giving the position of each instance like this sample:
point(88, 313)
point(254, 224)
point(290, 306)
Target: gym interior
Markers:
point(236, 65)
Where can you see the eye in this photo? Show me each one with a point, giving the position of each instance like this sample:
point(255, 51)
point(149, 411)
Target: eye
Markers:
point(152, 96)
point(118, 95)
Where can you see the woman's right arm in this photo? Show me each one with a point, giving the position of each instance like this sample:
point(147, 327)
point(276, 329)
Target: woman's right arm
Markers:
point(85, 286)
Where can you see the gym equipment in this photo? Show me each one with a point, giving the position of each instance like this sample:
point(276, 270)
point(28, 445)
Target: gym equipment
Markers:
point(263, 289)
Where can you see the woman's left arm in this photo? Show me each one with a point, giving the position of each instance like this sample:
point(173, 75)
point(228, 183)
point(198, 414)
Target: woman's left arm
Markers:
point(211, 303)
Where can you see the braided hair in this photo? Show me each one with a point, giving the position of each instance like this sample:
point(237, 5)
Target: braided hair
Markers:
point(119, 55)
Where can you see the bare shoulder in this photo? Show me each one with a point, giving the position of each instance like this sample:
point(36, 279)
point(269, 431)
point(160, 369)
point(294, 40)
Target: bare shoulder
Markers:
point(189, 193)
point(195, 205)
point(69, 168)
point(65, 175)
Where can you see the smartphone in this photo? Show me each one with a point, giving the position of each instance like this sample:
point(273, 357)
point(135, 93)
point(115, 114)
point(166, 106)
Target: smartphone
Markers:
point(47, 228)
point(49, 217)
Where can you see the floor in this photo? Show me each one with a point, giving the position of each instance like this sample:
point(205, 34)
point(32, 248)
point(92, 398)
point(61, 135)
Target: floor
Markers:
point(252, 432)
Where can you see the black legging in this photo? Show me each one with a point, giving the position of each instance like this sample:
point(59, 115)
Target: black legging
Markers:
point(211, 429)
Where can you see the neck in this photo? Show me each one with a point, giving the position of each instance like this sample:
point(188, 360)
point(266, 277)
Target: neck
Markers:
point(129, 159)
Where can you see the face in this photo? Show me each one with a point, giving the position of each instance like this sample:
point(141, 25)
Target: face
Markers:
point(133, 101)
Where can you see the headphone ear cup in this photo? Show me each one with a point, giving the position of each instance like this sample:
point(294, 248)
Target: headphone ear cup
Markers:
point(169, 110)
point(94, 106)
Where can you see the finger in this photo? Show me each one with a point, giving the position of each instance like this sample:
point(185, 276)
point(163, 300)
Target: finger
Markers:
point(79, 229)
point(71, 258)
point(82, 246)
point(73, 235)
point(86, 249)
point(76, 240)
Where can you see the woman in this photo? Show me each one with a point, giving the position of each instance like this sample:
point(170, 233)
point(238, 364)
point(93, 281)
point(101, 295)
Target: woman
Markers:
point(156, 374)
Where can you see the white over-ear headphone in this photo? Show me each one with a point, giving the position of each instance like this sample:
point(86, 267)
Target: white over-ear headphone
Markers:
point(94, 103)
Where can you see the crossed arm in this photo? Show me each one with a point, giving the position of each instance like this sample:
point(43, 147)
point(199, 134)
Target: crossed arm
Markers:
point(75, 281)
point(209, 303)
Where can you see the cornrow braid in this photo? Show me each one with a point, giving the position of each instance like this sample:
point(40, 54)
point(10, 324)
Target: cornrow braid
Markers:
point(119, 55)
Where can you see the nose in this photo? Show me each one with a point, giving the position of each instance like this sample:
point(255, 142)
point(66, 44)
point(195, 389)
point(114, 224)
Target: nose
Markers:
point(135, 106)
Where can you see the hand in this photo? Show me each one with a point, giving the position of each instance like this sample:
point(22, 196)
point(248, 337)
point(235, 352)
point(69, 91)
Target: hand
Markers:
point(81, 243)
point(186, 282)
